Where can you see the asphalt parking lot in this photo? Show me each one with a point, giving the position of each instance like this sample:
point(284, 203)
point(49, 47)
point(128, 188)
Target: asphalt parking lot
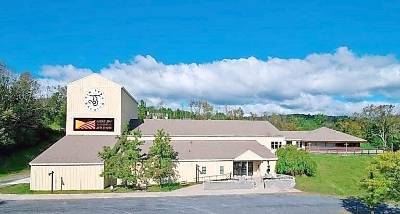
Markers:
point(271, 203)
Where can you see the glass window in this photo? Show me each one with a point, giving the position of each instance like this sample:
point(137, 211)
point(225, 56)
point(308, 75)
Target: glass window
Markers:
point(203, 170)
point(240, 168)
point(250, 168)
point(221, 170)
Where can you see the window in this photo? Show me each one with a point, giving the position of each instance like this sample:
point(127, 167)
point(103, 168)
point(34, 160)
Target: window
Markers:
point(203, 170)
point(221, 170)
point(276, 145)
point(289, 142)
point(243, 168)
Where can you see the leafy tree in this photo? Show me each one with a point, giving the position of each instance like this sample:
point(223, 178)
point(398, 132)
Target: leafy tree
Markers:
point(20, 109)
point(142, 109)
point(123, 161)
point(383, 181)
point(202, 109)
point(55, 108)
point(160, 163)
point(350, 126)
point(292, 161)
point(381, 121)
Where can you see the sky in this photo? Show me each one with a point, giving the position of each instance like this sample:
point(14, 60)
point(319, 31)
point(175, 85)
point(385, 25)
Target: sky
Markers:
point(264, 56)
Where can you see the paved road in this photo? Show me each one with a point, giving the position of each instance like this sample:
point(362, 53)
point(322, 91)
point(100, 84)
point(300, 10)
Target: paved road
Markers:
point(272, 203)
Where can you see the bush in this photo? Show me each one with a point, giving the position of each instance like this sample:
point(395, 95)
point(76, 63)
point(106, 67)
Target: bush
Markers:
point(292, 161)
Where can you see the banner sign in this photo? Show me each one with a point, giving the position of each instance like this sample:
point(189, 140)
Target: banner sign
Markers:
point(94, 124)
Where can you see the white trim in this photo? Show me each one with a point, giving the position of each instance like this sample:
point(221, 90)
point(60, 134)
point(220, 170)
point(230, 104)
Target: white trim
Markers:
point(214, 136)
point(64, 164)
point(212, 160)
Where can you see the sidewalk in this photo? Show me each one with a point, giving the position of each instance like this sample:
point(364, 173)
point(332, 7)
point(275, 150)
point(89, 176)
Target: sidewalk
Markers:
point(195, 190)
point(15, 181)
point(20, 177)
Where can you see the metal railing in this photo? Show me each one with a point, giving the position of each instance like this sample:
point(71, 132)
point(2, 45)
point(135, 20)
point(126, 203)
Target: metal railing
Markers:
point(215, 177)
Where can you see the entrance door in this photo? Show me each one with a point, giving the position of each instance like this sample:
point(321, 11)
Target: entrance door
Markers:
point(243, 168)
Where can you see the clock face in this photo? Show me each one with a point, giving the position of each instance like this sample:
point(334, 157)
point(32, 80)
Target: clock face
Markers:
point(94, 100)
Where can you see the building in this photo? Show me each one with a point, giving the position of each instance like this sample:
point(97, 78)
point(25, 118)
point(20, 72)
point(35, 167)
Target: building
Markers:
point(323, 139)
point(97, 108)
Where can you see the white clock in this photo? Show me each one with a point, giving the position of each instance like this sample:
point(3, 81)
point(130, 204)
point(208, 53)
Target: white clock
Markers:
point(94, 100)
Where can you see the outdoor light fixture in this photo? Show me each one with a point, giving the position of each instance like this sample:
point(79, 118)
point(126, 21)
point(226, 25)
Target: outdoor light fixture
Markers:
point(52, 178)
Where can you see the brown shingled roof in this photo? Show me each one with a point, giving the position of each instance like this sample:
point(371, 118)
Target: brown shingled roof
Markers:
point(329, 135)
point(75, 149)
point(215, 149)
point(294, 135)
point(322, 134)
point(209, 127)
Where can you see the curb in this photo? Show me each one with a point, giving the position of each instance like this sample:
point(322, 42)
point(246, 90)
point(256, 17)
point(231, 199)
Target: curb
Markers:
point(19, 197)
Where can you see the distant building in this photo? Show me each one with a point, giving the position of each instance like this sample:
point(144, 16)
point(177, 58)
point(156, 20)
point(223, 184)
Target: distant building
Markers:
point(97, 109)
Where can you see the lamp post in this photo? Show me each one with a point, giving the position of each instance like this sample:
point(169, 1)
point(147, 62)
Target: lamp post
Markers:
point(52, 179)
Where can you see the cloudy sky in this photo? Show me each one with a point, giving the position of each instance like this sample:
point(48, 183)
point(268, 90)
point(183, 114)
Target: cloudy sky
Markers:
point(266, 56)
point(340, 82)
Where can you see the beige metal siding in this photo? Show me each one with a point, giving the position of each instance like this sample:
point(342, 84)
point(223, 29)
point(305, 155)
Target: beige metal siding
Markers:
point(75, 177)
point(186, 170)
point(128, 108)
point(76, 92)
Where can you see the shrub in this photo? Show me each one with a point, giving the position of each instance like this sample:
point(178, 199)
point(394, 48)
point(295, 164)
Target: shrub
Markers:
point(292, 161)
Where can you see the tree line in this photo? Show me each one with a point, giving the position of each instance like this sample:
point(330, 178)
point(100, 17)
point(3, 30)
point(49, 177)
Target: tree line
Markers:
point(378, 124)
point(29, 111)
point(27, 114)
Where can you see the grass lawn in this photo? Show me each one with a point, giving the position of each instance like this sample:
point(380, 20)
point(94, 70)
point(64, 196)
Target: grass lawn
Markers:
point(24, 189)
point(336, 175)
point(18, 161)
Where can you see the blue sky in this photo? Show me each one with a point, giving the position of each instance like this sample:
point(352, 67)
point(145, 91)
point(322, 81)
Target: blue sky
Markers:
point(95, 33)
point(45, 37)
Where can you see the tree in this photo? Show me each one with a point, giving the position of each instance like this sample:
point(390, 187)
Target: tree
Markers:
point(123, 161)
point(235, 114)
point(142, 109)
point(160, 163)
point(20, 109)
point(350, 126)
point(202, 109)
point(55, 108)
point(381, 121)
point(383, 181)
point(292, 161)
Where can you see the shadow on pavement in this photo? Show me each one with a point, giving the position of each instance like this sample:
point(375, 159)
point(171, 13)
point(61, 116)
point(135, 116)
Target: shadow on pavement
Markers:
point(354, 205)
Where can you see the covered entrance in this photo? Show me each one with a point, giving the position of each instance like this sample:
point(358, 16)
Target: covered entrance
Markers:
point(243, 168)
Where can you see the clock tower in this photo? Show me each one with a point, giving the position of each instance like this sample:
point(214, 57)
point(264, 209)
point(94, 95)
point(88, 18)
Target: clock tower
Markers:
point(98, 106)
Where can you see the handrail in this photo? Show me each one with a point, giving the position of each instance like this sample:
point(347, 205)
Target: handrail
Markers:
point(217, 177)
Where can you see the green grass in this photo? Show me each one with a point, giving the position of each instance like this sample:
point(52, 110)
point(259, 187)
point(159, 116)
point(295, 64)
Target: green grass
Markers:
point(18, 161)
point(24, 189)
point(166, 187)
point(16, 189)
point(336, 175)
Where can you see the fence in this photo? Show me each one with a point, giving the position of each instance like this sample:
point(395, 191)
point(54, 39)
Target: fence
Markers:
point(344, 150)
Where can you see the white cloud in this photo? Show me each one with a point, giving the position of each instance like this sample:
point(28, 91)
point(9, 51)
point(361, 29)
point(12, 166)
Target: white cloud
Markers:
point(308, 85)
